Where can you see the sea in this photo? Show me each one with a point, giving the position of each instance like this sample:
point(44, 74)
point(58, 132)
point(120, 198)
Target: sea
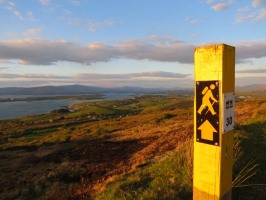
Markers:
point(16, 109)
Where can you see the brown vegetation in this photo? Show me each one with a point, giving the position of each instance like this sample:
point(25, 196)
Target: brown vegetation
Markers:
point(75, 155)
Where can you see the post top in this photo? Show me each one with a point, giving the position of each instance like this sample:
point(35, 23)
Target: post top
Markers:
point(214, 46)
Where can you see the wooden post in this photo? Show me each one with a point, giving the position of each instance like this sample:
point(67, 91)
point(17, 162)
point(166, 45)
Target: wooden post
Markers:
point(213, 122)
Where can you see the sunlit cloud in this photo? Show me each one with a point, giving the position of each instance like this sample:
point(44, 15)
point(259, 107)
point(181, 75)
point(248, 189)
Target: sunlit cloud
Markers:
point(254, 16)
point(221, 6)
point(245, 18)
point(254, 13)
point(45, 52)
point(261, 15)
point(258, 3)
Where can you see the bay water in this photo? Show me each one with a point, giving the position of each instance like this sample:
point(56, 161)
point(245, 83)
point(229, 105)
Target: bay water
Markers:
point(15, 109)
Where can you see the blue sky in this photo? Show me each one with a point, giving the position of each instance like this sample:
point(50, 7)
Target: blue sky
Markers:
point(111, 43)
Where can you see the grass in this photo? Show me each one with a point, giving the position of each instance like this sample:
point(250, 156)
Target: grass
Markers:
point(166, 177)
point(250, 161)
point(138, 148)
point(38, 134)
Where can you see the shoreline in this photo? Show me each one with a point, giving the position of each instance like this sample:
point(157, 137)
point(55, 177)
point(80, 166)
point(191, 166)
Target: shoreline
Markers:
point(69, 97)
point(35, 105)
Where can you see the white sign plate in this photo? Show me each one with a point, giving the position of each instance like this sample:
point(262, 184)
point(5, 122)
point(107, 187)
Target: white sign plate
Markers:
point(228, 112)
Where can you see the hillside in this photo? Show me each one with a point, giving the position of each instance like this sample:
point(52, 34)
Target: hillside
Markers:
point(249, 88)
point(138, 148)
point(81, 89)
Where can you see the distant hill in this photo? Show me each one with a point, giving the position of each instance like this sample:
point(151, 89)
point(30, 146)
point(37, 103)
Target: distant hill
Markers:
point(248, 88)
point(81, 89)
point(48, 90)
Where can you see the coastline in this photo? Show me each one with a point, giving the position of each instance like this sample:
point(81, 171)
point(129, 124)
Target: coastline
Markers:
point(37, 105)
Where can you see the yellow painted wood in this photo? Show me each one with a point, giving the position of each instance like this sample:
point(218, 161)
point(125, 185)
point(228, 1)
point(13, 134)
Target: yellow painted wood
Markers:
point(212, 178)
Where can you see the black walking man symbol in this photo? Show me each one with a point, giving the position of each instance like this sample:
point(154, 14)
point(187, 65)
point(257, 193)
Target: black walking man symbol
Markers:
point(206, 100)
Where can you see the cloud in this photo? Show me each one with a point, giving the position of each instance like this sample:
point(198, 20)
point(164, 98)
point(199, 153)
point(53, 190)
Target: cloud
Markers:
point(258, 3)
point(261, 15)
point(152, 79)
point(251, 71)
point(245, 18)
point(164, 40)
point(147, 83)
point(68, 12)
point(141, 75)
point(244, 9)
point(74, 21)
point(45, 52)
point(143, 79)
point(6, 62)
point(32, 32)
point(141, 50)
point(193, 21)
point(30, 16)
point(44, 2)
point(75, 2)
point(255, 16)
point(94, 25)
point(221, 6)
point(249, 50)
point(89, 24)
point(252, 13)
point(31, 76)
point(11, 6)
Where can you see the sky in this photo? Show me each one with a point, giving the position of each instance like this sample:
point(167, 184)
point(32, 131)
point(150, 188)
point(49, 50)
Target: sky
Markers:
point(113, 43)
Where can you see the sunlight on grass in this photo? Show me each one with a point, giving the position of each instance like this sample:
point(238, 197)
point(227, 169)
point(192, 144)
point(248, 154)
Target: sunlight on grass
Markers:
point(170, 177)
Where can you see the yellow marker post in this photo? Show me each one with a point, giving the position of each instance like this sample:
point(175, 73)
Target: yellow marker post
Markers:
point(213, 122)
